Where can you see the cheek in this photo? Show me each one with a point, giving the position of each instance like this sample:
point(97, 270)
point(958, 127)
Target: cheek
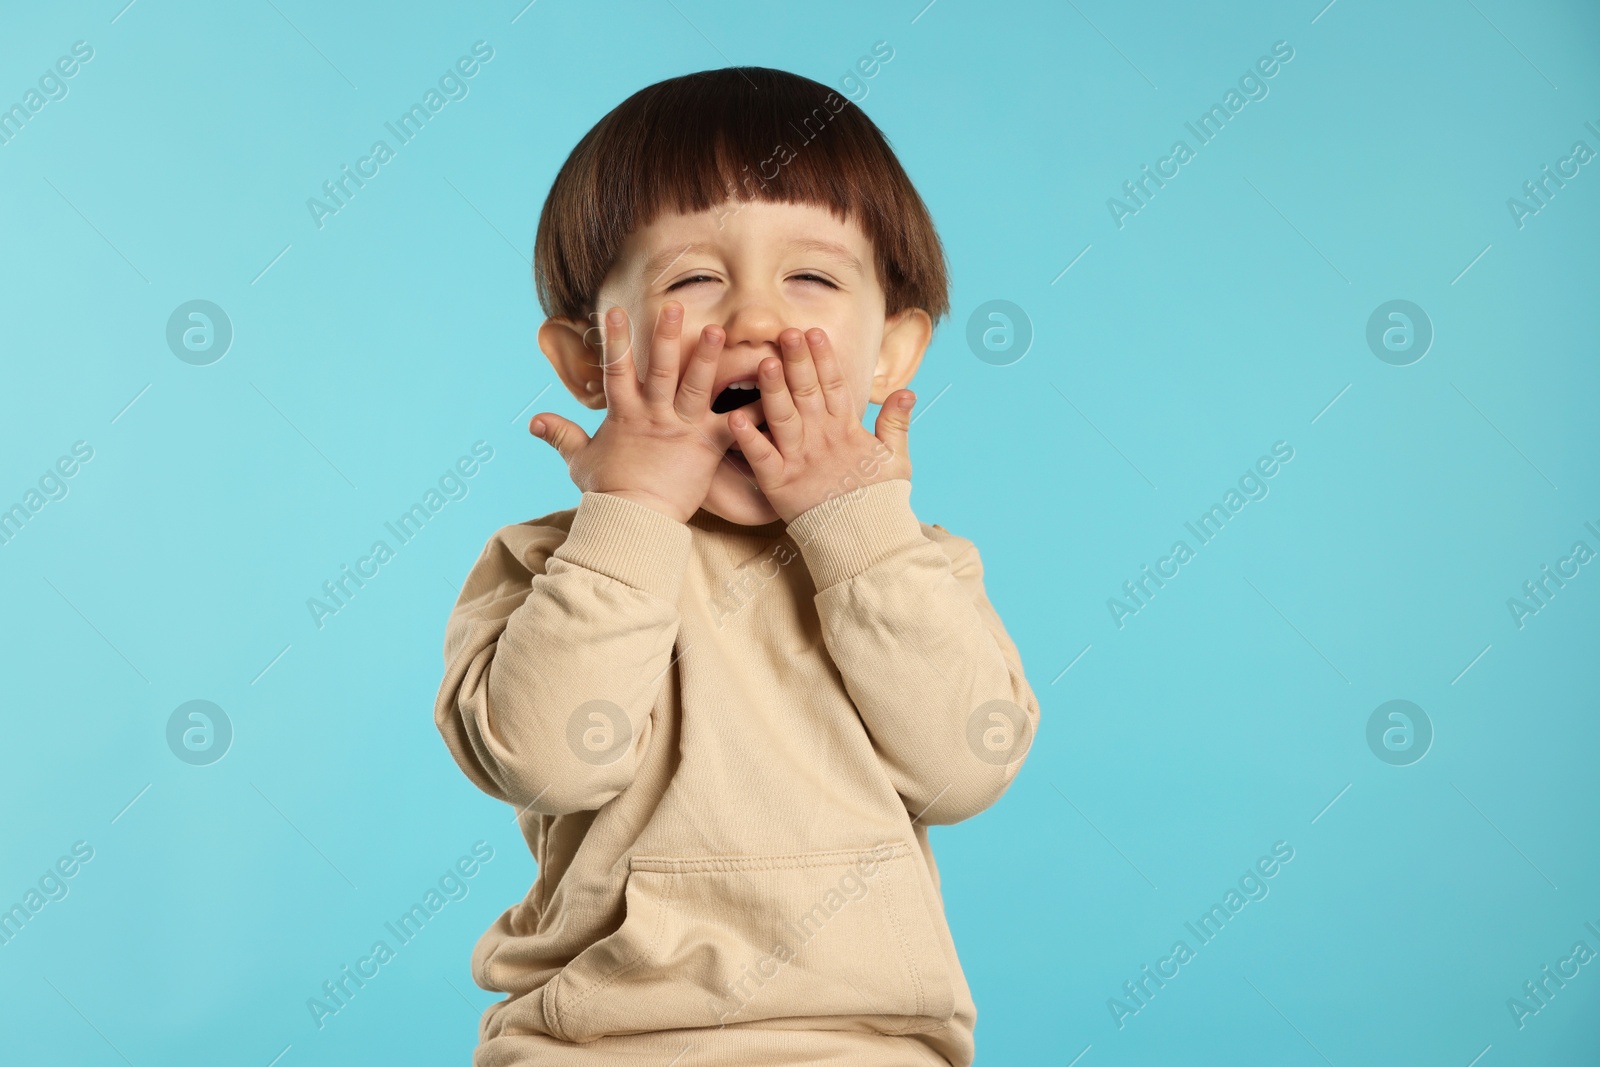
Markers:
point(694, 321)
point(857, 353)
point(644, 314)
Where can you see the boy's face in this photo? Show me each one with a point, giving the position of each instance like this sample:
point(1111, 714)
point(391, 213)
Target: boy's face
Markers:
point(755, 269)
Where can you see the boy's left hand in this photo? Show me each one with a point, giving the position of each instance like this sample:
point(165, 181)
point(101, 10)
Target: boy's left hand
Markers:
point(822, 450)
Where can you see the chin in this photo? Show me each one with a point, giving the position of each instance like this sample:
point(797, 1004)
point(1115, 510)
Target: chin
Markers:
point(734, 497)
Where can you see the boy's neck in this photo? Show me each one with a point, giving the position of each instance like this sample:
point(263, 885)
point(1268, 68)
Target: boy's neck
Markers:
point(711, 523)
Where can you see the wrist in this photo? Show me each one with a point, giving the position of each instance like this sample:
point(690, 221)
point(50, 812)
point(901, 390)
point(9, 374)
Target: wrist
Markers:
point(852, 480)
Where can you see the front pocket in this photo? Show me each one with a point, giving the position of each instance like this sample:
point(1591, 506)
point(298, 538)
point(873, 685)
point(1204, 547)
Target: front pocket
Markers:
point(720, 940)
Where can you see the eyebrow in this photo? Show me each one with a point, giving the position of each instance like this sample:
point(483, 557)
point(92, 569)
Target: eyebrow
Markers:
point(661, 262)
point(832, 249)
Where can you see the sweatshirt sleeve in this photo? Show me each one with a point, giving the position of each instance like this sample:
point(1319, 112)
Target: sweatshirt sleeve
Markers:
point(556, 651)
point(924, 656)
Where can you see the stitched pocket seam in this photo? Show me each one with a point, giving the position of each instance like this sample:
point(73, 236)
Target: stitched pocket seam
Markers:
point(843, 857)
point(893, 911)
point(644, 952)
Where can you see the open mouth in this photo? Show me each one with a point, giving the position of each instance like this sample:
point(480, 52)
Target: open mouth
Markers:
point(735, 396)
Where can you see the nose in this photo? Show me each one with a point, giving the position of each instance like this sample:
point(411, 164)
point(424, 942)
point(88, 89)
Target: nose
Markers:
point(752, 318)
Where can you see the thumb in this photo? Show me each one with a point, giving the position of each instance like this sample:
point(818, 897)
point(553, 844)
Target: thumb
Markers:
point(894, 420)
point(565, 436)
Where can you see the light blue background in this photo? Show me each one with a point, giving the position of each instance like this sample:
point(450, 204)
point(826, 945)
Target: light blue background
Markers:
point(1226, 315)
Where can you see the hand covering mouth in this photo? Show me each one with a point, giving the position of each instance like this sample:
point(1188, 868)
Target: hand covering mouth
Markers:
point(734, 451)
point(735, 396)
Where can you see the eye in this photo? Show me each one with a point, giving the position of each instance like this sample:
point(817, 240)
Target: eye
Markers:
point(817, 278)
point(690, 280)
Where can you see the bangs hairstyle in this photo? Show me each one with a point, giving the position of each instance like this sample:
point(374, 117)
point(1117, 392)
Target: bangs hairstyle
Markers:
point(694, 142)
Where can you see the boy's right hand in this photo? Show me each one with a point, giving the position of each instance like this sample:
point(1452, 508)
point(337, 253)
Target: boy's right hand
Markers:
point(659, 444)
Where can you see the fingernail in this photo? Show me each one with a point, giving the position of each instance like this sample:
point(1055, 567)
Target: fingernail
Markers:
point(591, 387)
point(674, 312)
point(537, 428)
point(738, 420)
point(907, 400)
point(614, 316)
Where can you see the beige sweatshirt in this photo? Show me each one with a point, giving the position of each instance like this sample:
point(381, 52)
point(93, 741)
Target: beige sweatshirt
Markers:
point(726, 744)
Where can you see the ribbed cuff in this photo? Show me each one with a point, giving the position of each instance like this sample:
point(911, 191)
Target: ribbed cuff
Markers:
point(842, 537)
point(634, 544)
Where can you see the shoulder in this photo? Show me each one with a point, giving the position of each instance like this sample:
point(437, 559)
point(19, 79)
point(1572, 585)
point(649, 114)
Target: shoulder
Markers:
point(526, 546)
point(501, 577)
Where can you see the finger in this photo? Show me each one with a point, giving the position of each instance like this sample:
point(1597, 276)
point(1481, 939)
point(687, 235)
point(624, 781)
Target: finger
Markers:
point(801, 373)
point(694, 392)
point(893, 426)
point(566, 437)
point(829, 374)
point(765, 460)
point(783, 420)
point(666, 349)
point(620, 379)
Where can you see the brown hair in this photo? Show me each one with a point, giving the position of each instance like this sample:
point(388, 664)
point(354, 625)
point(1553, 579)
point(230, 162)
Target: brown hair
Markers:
point(693, 142)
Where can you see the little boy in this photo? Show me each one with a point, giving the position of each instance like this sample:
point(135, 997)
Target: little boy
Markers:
point(731, 689)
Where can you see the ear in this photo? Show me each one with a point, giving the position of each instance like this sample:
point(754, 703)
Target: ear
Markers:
point(566, 344)
point(906, 334)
